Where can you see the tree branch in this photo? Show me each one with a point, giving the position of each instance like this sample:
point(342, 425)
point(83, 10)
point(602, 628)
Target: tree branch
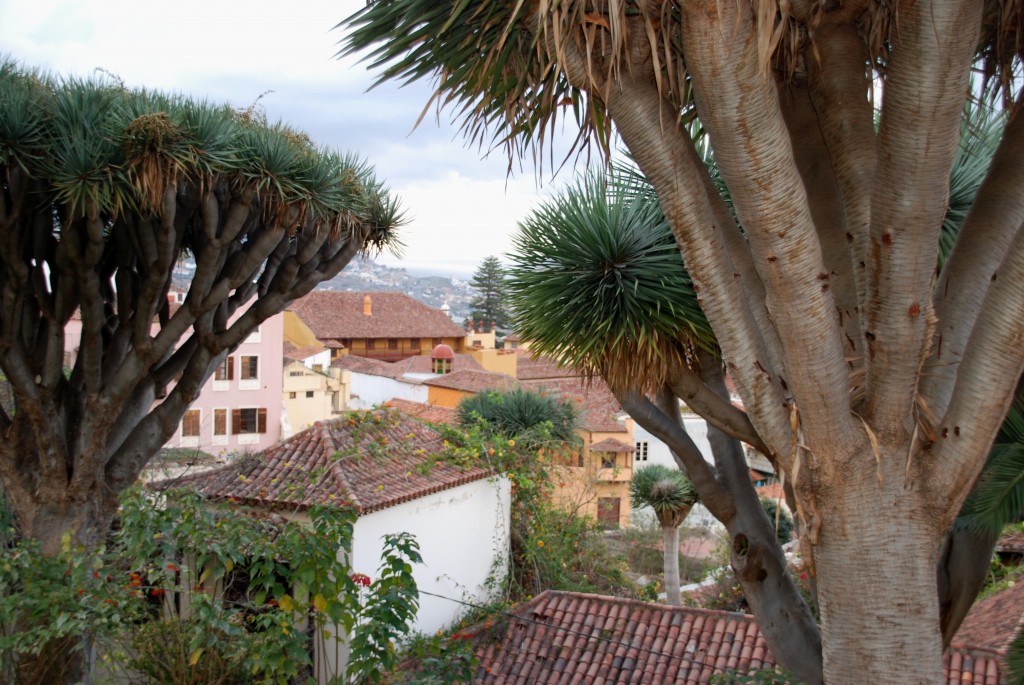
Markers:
point(925, 88)
point(716, 410)
point(669, 430)
point(737, 103)
point(994, 220)
point(641, 116)
point(838, 85)
point(814, 163)
point(985, 384)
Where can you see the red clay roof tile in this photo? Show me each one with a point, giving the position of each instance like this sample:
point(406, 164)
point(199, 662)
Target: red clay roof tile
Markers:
point(469, 380)
point(336, 315)
point(566, 637)
point(431, 413)
point(371, 460)
point(993, 622)
point(611, 445)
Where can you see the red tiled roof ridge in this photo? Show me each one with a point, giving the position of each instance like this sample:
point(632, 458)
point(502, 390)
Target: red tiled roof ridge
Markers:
point(380, 470)
point(335, 465)
point(334, 314)
point(611, 445)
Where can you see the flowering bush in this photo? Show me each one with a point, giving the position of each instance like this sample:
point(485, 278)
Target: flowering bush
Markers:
point(189, 593)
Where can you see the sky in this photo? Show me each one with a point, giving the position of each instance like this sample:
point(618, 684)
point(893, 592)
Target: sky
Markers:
point(461, 203)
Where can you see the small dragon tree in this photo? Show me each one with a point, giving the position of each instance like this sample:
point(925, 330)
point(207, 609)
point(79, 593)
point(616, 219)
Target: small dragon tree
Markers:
point(671, 495)
point(103, 189)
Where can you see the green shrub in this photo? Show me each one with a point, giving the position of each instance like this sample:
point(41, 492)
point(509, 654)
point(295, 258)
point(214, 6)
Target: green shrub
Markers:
point(148, 603)
point(780, 518)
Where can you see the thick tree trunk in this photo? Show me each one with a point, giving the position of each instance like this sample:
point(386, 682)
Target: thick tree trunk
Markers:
point(875, 562)
point(670, 536)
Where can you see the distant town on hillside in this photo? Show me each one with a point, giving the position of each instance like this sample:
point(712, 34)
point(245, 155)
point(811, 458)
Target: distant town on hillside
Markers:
point(365, 274)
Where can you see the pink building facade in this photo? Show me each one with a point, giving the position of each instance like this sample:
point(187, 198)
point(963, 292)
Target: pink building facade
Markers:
point(239, 408)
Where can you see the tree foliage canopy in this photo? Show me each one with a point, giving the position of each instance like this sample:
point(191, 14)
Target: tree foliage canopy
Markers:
point(665, 490)
point(488, 307)
point(104, 189)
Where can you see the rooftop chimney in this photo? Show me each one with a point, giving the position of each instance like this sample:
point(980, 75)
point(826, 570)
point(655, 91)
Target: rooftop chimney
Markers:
point(367, 306)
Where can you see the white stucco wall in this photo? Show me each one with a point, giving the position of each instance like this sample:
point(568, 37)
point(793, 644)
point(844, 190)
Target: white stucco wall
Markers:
point(463, 534)
point(368, 391)
point(658, 453)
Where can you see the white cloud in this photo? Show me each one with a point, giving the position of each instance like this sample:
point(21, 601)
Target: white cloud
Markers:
point(463, 207)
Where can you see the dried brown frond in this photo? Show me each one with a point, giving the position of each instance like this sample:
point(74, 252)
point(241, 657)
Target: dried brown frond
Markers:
point(255, 115)
point(1001, 49)
point(147, 140)
point(877, 25)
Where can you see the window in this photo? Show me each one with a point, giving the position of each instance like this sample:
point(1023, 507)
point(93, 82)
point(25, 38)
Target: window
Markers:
point(436, 342)
point(371, 344)
point(248, 423)
point(392, 343)
point(415, 344)
point(224, 373)
point(249, 372)
point(250, 367)
point(607, 460)
point(291, 395)
point(190, 423)
point(309, 393)
point(220, 426)
point(296, 373)
point(641, 452)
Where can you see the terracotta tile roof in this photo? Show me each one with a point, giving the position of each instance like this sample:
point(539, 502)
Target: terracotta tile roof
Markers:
point(295, 353)
point(532, 366)
point(1011, 542)
point(970, 669)
point(427, 412)
point(424, 364)
point(611, 445)
point(365, 365)
point(372, 460)
point(469, 380)
point(335, 315)
point(559, 638)
point(567, 637)
point(772, 491)
point(596, 404)
point(993, 622)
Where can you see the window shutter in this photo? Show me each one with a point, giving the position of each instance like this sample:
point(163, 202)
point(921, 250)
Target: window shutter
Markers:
point(231, 367)
point(236, 421)
point(261, 420)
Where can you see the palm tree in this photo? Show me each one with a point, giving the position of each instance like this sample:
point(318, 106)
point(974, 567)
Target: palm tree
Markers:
point(824, 299)
point(597, 281)
point(671, 495)
point(102, 190)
